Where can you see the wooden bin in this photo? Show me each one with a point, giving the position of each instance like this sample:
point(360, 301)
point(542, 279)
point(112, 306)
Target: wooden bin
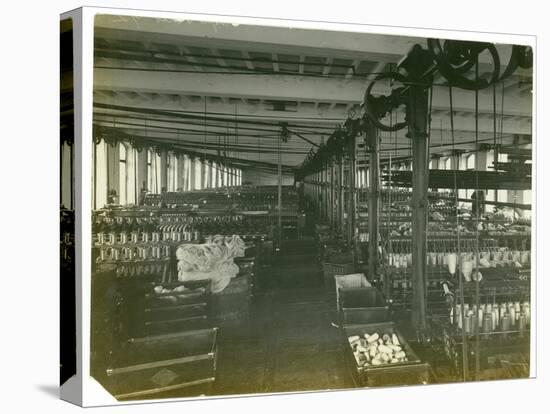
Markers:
point(332, 269)
point(177, 311)
point(363, 305)
point(351, 281)
point(231, 306)
point(411, 372)
point(151, 366)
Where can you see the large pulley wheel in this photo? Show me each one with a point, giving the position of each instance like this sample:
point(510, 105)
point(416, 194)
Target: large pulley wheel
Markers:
point(455, 58)
point(372, 104)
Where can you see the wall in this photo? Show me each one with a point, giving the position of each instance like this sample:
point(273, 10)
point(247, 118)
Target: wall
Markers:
point(187, 174)
point(256, 177)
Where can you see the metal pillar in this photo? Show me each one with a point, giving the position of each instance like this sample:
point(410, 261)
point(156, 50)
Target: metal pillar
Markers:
point(351, 194)
point(417, 115)
point(326, 188)
point(322, 188)
point(279, 194)
point(341, 196)
point(372, 144)
point(332, 194)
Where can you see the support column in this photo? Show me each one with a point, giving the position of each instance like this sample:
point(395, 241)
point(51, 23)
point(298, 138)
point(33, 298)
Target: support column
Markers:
point(279, 194)
point(332, 195)
point(341, 194)
point(351, 194)
point(417, 114)
point(372, 144)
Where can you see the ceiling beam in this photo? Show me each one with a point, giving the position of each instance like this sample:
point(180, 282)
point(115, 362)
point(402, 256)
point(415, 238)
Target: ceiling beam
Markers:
point(331, 117)
point(258, 38)
point(345, 45)
point(184, 52)
point(353, 68)
point(326, 68)
point(275, 62)
point(248, 61)
point(287, 88)
point(219, 58)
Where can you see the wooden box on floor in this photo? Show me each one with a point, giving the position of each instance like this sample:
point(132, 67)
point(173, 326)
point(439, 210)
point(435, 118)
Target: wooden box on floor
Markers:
point(351, 281)
point(171, 363)
point(363, 305)
point(177, 311)
point(332, 269)
point(231, 306)
point(411, 372)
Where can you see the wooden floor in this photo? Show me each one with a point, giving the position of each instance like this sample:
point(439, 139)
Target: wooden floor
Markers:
point(289, 343)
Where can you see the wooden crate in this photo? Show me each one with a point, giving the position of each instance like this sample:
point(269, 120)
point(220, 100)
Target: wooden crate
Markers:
point(153, 365)
point(332, 269)
point(351, 281)
point(411, 372)
point(363, 305)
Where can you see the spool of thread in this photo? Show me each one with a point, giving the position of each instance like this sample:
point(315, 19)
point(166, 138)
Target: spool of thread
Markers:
point(495, 318)
point(512, 316)
point(468, 324)
point(502, 311)
point(522, 324)
point(527, 311)
point(480, 315)
point(487, 322)
point(505, 322)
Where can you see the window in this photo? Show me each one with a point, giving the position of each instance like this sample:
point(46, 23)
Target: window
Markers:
point(214, 175)
point(225, 176)
point(172, 167)
point(198, 169)
point(186, 173)
point(127, 159)
point(206, 174)
point(101, 179)
point(122, 173)
point(471, 162)
point(150, 170)
point(153, 171)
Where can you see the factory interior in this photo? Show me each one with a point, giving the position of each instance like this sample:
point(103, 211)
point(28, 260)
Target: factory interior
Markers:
point(287, 209)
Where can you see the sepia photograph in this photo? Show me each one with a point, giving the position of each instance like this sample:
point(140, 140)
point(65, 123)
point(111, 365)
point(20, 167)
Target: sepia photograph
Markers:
point(277, 208)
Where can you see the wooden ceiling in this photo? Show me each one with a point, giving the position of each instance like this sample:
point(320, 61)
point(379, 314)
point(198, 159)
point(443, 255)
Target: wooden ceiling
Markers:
point(204, 84)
